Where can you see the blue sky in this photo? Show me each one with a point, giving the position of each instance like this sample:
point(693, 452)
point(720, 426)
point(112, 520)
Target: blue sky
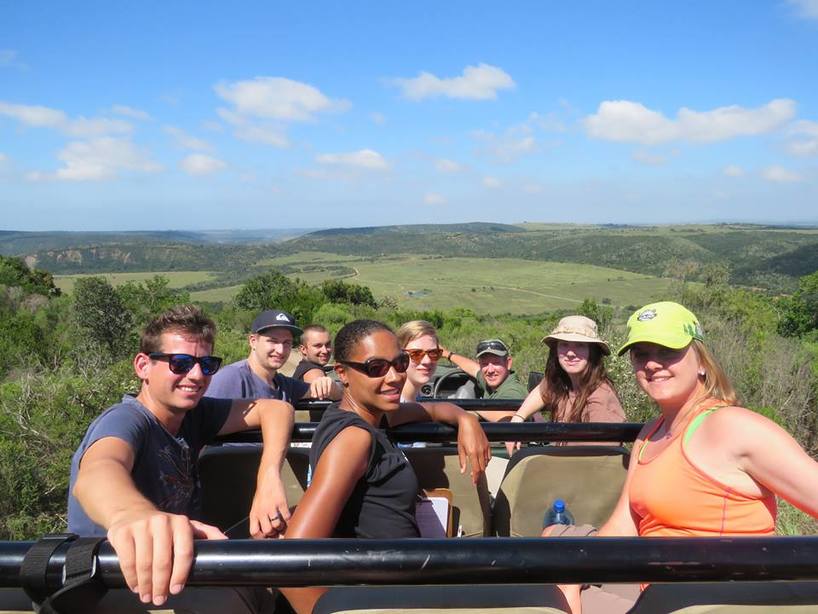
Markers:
point(206, 115)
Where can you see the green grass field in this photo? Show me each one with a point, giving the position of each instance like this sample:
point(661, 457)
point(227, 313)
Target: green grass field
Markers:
point(177, 279)
point(498, 285)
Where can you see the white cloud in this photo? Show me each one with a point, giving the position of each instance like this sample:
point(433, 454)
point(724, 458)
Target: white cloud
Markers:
point(96, 126)
point(779, 174)
point(448, 166)
point(432, 198)
point(491, 182)
point(804, 140)
point(32, 115)
point(550, 122)
point(201, 164)
point(186, 141)
point(378, 119)
point(733, 170)
point(363, 158)
point(98, 159)
point(509, 146)
point(255, 132)
point(9, 57)
point(481, 82)
point(632, 122)
point(808, 9)
point(121, 109)
point(44, 117)
point(515, 141)
point(648, 158)
point(277, 98)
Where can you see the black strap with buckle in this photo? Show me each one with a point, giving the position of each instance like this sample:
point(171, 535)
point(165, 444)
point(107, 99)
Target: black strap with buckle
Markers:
point(81, 586)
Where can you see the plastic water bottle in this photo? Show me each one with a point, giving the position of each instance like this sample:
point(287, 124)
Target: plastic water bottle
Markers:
point(557, 514)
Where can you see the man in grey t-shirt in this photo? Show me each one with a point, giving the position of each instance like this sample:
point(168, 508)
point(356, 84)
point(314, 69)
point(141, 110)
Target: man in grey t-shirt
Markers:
point(133, 477)
point(257, 376)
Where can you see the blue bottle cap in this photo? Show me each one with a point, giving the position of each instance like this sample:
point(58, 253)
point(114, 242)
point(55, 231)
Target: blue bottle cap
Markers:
point(559, 505)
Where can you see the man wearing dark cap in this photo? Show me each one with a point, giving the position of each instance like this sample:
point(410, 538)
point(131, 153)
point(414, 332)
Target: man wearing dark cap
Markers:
point(492, 373)
point(257, 377)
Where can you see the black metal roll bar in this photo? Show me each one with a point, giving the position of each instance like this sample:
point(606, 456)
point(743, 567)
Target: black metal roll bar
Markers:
point(468, 404)
point(495, 431)
point(334, 562)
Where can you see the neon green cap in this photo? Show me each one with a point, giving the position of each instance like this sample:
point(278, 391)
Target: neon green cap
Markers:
point(666, 323)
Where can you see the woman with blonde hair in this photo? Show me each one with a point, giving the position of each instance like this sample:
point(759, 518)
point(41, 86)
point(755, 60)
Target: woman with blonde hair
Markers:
point(419, 339)
point(575, 387)
point(706, 467)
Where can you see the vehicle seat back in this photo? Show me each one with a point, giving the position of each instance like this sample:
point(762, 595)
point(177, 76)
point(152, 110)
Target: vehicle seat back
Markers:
point(228, 477)
point(728, 598)
point(499, 599)
point(588, 478)
point(439, 467)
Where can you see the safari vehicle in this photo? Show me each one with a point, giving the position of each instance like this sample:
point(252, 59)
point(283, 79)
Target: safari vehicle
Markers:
point(454, 383)
point(494, 546)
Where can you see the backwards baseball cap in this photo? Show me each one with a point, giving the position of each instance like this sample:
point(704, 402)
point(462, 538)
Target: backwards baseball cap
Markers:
point(667, 324)
point(492, 346)
point(273, 318)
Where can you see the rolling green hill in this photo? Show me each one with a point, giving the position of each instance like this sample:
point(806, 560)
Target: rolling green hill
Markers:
point(760, 256)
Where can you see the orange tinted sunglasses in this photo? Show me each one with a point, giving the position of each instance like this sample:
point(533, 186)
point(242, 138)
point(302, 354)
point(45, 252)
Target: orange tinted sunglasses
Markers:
point(417, 355)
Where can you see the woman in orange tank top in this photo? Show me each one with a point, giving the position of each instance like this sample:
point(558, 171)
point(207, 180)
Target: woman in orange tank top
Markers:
point(705, 466)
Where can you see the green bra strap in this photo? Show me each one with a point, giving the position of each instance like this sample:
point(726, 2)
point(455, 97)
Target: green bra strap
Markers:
point(697, 421)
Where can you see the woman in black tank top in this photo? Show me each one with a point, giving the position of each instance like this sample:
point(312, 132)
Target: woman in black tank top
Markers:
point(362, 485)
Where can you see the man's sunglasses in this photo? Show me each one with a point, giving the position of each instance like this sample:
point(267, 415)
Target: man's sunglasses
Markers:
point(417, 355)
point(378, 367)
point(183, 363)
point(491, 345)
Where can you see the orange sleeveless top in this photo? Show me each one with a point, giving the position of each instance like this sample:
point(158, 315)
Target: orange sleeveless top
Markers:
point(671, 497)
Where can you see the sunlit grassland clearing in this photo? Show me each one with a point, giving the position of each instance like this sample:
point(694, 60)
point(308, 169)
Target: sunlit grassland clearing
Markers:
point(496, 285)
point(176, 279)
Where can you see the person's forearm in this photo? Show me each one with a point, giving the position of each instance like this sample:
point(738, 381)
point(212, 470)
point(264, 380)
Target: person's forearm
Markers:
point(464, 362)
point(276, 429)
point(445, 412)
point(119, 496)
point(531, 405)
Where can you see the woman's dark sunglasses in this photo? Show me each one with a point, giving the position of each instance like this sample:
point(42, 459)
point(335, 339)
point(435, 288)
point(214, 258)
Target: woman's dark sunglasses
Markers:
point(183, 363)
point(378, 367)
point(417, 355)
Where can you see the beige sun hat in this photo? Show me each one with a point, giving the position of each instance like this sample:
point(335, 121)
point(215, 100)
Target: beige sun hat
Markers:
point(576, 328)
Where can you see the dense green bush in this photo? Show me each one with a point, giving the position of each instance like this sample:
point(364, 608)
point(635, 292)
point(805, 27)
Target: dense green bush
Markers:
point(43, 417)
point(64, 359)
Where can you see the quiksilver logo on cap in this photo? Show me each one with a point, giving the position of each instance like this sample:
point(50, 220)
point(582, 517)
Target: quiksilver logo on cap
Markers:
point(282, 316)
point(648, 314)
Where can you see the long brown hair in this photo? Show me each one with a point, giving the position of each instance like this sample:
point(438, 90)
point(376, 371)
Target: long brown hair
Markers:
point(556, 384)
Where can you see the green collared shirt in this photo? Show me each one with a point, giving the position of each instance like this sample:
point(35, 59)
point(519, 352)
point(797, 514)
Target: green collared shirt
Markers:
point(511, 388)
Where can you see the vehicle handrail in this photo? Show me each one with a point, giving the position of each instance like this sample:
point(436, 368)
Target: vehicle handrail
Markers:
point(468, 404)
point(495, 431)
point(335, 562)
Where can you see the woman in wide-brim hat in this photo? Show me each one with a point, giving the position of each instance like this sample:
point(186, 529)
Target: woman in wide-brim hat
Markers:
point(575, 387)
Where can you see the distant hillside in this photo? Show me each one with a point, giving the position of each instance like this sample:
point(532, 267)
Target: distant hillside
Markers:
point(419, 229)
point(19, 243)
point(755, 255)
point(148, 256)
point(761, 256)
